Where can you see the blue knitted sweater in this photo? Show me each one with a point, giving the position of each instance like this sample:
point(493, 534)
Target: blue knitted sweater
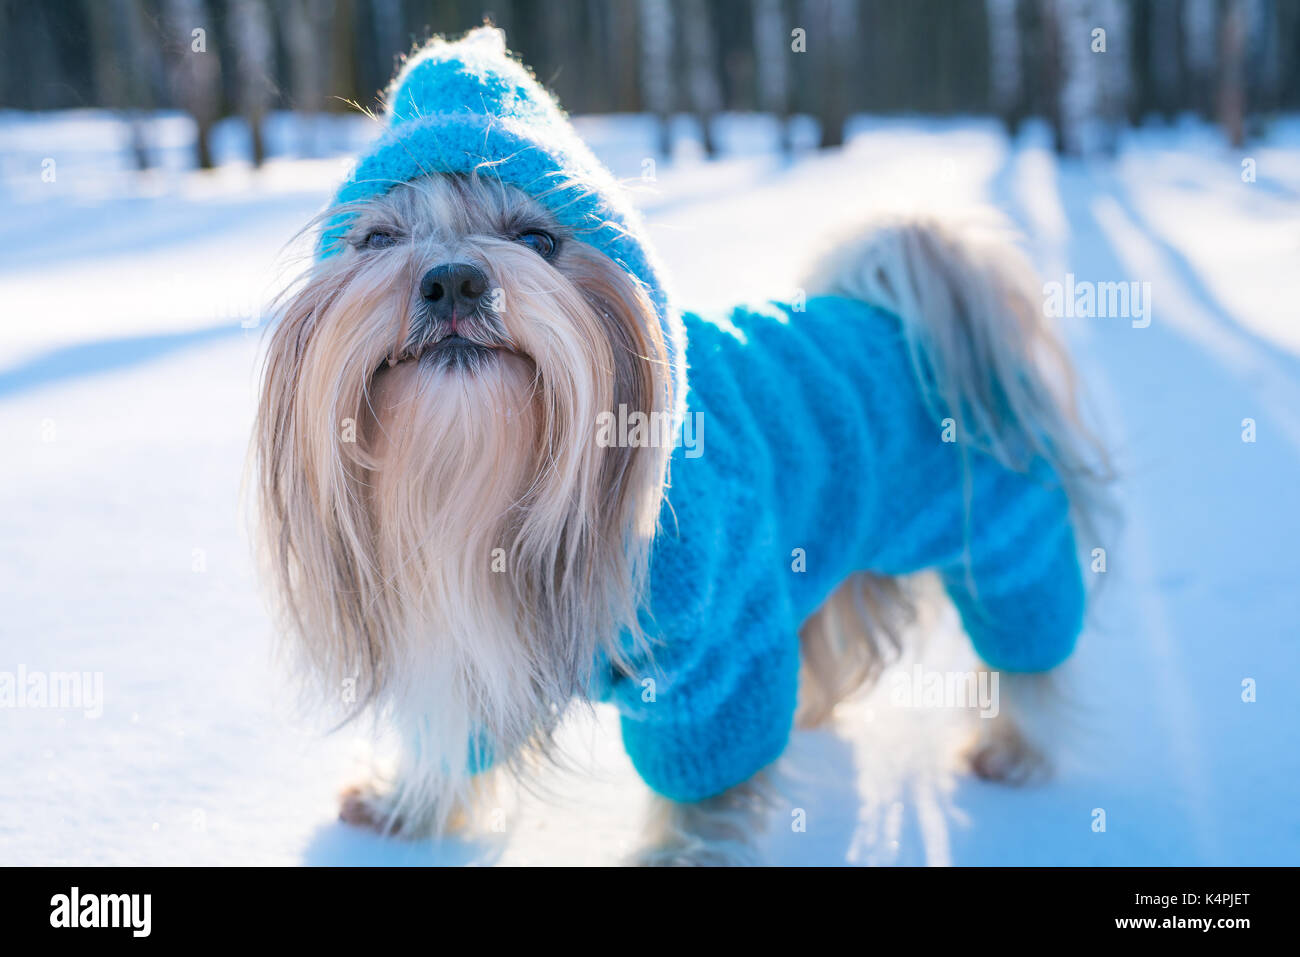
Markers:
point(816, 443)
point(815, 438)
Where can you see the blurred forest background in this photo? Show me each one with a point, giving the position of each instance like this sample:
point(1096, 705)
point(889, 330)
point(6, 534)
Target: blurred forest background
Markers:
point(1234, 62)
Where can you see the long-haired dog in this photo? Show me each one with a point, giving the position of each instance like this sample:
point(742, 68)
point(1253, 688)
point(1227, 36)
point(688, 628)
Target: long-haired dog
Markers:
point(464, 538)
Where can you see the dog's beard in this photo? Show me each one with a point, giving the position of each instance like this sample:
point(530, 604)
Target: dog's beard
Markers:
point(450, 543)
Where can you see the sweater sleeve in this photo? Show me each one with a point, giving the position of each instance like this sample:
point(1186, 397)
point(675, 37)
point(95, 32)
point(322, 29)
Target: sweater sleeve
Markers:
point(1003, 544)
point(716, 702)
point(722, 716)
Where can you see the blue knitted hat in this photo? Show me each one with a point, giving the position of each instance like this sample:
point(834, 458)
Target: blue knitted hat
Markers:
point(469, 106)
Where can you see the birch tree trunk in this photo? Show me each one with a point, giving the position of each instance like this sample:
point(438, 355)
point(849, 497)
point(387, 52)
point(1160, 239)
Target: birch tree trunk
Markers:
point(702, 67)
point(1162, 52)
point(1005, 79)
point(832, 26)
point(389, 35)
point(1050, 70)
point(250, 35)
point(195, 72)
point(124, 61)
point(1096, 77)
point(1115, 68)
point(1199, 40)
point(1081, 93)
point(623, 54)
point(1230, 99)
point(303, 24)
point(1263, 57)
point(656, 67)
point(771, 50)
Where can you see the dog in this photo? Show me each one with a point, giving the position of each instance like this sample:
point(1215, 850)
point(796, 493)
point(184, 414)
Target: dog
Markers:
point(462, 546)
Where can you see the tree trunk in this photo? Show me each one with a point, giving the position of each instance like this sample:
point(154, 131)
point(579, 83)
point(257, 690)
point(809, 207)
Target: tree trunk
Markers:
point(1081, 85)
point(1162, 53)
point(1052, 70)
point(624, 58)
point(306, 39)
point(390, 38)
point(1231, 98)
point(832, 26)
point(702, 67)
point(123, 60)
point(1004, 61)
point(656, 67)
point(250, 33)
point(1095, 73)
point(1116, 69)
point(772, 53)
point(341, 67)
point(1263, 58)
point(1199, 41)
point(195, 70)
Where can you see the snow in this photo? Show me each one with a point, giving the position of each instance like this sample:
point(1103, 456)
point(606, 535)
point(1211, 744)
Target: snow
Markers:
point(131, 307)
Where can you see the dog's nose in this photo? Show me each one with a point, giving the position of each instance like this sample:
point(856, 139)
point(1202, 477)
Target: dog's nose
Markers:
point(453, 288)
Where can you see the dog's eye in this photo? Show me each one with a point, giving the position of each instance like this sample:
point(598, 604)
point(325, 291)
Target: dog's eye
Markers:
point(379, 239)
point(539, 242)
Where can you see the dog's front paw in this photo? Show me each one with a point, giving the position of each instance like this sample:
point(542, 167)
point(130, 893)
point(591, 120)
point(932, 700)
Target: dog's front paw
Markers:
point(364, 806)
point(1000, 752)
point(373, 808)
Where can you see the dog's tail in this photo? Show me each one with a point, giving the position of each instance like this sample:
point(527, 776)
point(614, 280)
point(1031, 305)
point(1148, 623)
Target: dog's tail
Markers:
point(984, 354)
point(982, 350)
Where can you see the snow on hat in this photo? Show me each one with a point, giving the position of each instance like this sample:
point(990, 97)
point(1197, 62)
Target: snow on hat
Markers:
point(469, 106)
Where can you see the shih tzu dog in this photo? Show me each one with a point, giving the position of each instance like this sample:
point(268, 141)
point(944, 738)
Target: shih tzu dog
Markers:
point(499, 472)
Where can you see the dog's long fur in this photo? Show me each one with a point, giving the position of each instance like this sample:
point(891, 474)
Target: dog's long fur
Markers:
point(449, 543)
point(454, 546)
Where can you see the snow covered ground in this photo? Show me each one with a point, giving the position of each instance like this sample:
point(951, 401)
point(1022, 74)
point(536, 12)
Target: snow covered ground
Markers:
point(128, 339)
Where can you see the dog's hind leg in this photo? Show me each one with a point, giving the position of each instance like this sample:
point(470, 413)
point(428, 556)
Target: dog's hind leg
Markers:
point(1011, 746)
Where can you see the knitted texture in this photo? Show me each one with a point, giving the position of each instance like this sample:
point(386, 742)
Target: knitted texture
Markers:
point(470, 108)
point(815, 437)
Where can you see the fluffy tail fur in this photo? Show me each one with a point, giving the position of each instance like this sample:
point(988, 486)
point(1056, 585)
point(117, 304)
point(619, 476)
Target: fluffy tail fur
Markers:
point(971, 315)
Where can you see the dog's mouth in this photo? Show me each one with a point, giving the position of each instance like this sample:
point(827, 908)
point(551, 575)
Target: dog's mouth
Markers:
point(459, 344)
point(453, 351)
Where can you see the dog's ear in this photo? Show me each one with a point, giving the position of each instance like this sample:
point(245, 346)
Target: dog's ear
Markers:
point(642, 382)
point(593, 529)
point(306, 456)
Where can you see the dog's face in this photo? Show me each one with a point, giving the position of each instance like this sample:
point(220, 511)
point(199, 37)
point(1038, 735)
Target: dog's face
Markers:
point(433, 500)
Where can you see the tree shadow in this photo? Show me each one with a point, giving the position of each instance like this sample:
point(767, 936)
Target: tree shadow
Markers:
point(104, 355)
point(66, 231)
